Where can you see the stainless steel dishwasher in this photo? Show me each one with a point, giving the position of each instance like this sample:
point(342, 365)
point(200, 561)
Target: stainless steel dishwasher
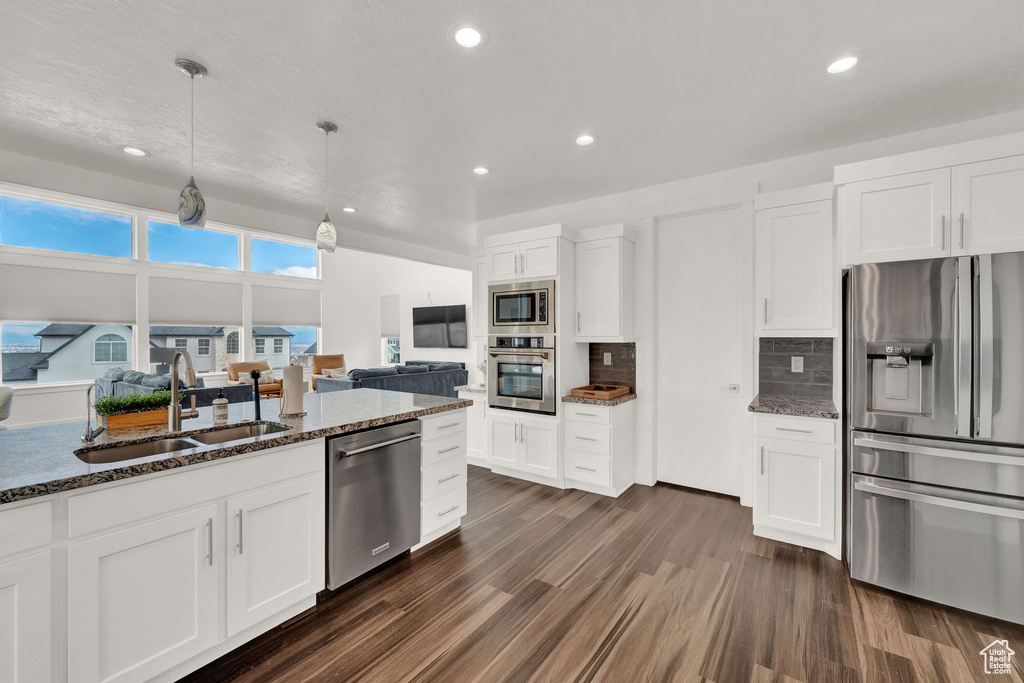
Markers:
point(374, 499)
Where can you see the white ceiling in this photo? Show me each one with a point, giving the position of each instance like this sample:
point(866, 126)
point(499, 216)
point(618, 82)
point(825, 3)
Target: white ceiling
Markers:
point(672, 89)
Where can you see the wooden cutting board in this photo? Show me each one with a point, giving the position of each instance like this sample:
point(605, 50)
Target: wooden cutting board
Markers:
point(601, 392)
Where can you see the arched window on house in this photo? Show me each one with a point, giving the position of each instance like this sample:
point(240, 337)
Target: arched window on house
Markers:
point(110, 348)
point(232, 343)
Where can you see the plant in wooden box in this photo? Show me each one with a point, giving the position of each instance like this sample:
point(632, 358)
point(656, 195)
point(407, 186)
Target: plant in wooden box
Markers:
point(134, 410)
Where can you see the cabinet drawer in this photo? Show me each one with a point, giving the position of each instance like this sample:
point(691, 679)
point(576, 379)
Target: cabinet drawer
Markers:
point(791, 429)
point(436, 450)
point(594, 469)
point(25, 527)
point(443, 510)
point(588, 437)
point(443, 478)
point(581, 412)
point(446, 424)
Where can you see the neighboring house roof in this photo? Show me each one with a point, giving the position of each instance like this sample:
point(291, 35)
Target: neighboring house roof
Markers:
point(258, 331)
point(62, 330)
point(18, 367)
point(311, 348)
point(185, 331)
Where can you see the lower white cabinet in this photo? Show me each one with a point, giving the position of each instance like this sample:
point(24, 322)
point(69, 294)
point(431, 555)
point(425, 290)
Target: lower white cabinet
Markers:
point(475, 430)
point(443, 474)
point(143, 599)
point(796, 494)
point(524, 443)
point(599, 445)
point(26, 649)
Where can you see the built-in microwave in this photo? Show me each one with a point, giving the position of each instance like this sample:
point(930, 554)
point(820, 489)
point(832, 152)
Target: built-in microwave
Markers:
point(519, 308)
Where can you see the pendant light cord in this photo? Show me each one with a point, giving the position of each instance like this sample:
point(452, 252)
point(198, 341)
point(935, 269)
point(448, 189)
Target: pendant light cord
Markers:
point(327, 172)
point(192, 128)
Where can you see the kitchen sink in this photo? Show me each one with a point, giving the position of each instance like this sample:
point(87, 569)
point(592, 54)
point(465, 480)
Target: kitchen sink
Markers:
point(247, 431)
point(100, 456)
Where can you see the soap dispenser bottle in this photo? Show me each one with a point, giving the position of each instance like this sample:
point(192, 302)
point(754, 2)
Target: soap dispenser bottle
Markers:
point(220, 409)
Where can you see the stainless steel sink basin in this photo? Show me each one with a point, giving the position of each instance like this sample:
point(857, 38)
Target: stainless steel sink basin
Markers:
point(130, 451)
point(247, 431)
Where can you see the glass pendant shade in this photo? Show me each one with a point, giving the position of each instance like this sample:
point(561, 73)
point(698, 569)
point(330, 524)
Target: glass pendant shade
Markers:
point(192, 206)
point(326, 235)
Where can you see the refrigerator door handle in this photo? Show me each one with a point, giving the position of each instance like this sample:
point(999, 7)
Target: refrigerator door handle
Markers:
point(986, 350)
point(962, 330)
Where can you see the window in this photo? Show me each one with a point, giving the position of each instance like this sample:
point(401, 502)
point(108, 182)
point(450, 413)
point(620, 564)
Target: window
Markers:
point(260, 344)
point(232, 343)
point(204, 347)
point(280, 258)
point(43, 225)
point(210, 345)
point(279, 346)
point(392, 351)
point(191, 247)
point(61, 352)
point(181, 344)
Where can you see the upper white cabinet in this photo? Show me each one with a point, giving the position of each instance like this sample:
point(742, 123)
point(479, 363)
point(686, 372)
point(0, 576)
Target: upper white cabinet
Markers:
point(530, 260)
point(604, 290)
point(795, 268)
point(988, 207)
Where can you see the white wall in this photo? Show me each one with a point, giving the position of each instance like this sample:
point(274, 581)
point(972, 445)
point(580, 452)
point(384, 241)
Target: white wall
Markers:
point(633, 206)
point(354, 282)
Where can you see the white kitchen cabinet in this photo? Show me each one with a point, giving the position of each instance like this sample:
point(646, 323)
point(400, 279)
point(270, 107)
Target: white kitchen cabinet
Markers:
point(523, 443)
point(26, 648)
point(443, 474)
point(604, 290)
point(275, 550)
point(599, 447)
point(988, 207)
point(897, 218)
point(145, 598)
point(529, 260)
point(795, 269)
point(475, 427)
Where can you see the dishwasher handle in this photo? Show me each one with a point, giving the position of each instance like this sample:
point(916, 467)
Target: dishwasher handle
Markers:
point(375, 446)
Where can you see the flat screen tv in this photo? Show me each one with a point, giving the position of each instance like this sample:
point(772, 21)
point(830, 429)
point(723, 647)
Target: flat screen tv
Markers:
point(440, 327)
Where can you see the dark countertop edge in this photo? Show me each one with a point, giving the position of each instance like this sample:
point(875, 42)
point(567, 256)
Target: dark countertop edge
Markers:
point(598, 402)
point(241, 447)
point(826, 411)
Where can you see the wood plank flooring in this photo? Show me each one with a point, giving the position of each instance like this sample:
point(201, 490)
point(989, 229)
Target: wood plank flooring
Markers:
point(661, 584)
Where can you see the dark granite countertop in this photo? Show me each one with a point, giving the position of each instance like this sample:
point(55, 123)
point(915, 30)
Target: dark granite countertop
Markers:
point(797, 406)
point(598, 402)
point(38, 461)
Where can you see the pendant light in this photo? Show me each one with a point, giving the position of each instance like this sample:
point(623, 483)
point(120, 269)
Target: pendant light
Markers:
point(326, 235)
point(191, 205)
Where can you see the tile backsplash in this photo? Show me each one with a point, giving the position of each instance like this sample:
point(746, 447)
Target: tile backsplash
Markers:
point(775, 377)
point(622, 371)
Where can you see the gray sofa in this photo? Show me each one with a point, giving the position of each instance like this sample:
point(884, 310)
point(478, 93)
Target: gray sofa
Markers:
point(415, 377)
point(118, 382)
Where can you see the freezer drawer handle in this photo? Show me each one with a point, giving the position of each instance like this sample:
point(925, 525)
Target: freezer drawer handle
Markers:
point(940, 452)
point(936, 500)
point(382, 444)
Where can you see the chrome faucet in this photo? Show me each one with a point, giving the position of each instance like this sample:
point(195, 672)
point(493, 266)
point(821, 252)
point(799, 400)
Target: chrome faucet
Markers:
point(174, 412)
point(90, 434)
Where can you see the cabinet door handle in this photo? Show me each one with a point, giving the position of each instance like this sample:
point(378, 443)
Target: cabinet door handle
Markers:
point(209, 541)
point(579, 323)
point(448, 478)
point(522, 433)
point(942, 233)
point(515, 263)
point(586, 414)
point(453, 424)
point(448, 511)
point(766, 310)
point(585, 469)
point(448, 450)
point(790, 429)
point(240, 530)
point(585, 438)
point(961, 231)
point(762, 461)
point(524, 264)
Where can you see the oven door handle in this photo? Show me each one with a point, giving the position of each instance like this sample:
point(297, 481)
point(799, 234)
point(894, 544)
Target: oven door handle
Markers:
point(542, 354)
point(937, 500)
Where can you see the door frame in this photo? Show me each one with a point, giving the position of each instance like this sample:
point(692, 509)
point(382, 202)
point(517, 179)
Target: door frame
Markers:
point(736, 197)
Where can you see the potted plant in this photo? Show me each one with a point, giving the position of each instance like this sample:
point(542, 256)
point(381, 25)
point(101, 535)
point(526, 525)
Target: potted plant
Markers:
point(134, 410)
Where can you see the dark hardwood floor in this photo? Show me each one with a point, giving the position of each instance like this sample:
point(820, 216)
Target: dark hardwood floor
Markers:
point(661, 584)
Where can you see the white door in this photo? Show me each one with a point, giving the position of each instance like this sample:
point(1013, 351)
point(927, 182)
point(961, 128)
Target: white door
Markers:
point(795, 266)
point(796, 488)
point(502, 262)
point(538, 259)
point(598, 289)
point(988, 206)
point(900, 218)
point(538, 447)
point(502, 439)
point(705, 333)
point(275, 550)
point(143, 599)
point(26, 653)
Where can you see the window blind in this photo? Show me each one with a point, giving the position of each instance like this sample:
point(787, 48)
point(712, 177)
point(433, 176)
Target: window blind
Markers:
point(285, 306)
point(390, 324)
point(173, 301)
point(58, 295)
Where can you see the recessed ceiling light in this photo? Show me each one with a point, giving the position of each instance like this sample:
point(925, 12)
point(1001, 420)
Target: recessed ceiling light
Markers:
point(349, 209)
point(841, 65)
point(467, 36)
point(584, 140)
point(135, 151)
point(481, 170)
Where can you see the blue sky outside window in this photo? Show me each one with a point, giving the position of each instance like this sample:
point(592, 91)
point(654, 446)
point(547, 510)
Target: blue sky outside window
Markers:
point(280, 258)
point(41, 225)
point(169, 243)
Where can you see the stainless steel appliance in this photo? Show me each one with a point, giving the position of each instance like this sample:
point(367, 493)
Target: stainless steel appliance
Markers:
point(521, 308)
point(521, 373)
point(373, 499)
point(936, 452)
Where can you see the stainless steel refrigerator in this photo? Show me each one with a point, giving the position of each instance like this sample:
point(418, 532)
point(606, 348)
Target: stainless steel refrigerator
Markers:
point(935, 364)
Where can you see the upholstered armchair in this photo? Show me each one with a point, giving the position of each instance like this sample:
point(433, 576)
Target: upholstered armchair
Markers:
point(327, 362)
point(6, 399)
point(238, 373)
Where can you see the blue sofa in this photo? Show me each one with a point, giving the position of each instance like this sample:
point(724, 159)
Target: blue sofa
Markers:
point(118, 382)
point(415, 377)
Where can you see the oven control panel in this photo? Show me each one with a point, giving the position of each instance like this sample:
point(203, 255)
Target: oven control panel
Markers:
point(539, 342)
